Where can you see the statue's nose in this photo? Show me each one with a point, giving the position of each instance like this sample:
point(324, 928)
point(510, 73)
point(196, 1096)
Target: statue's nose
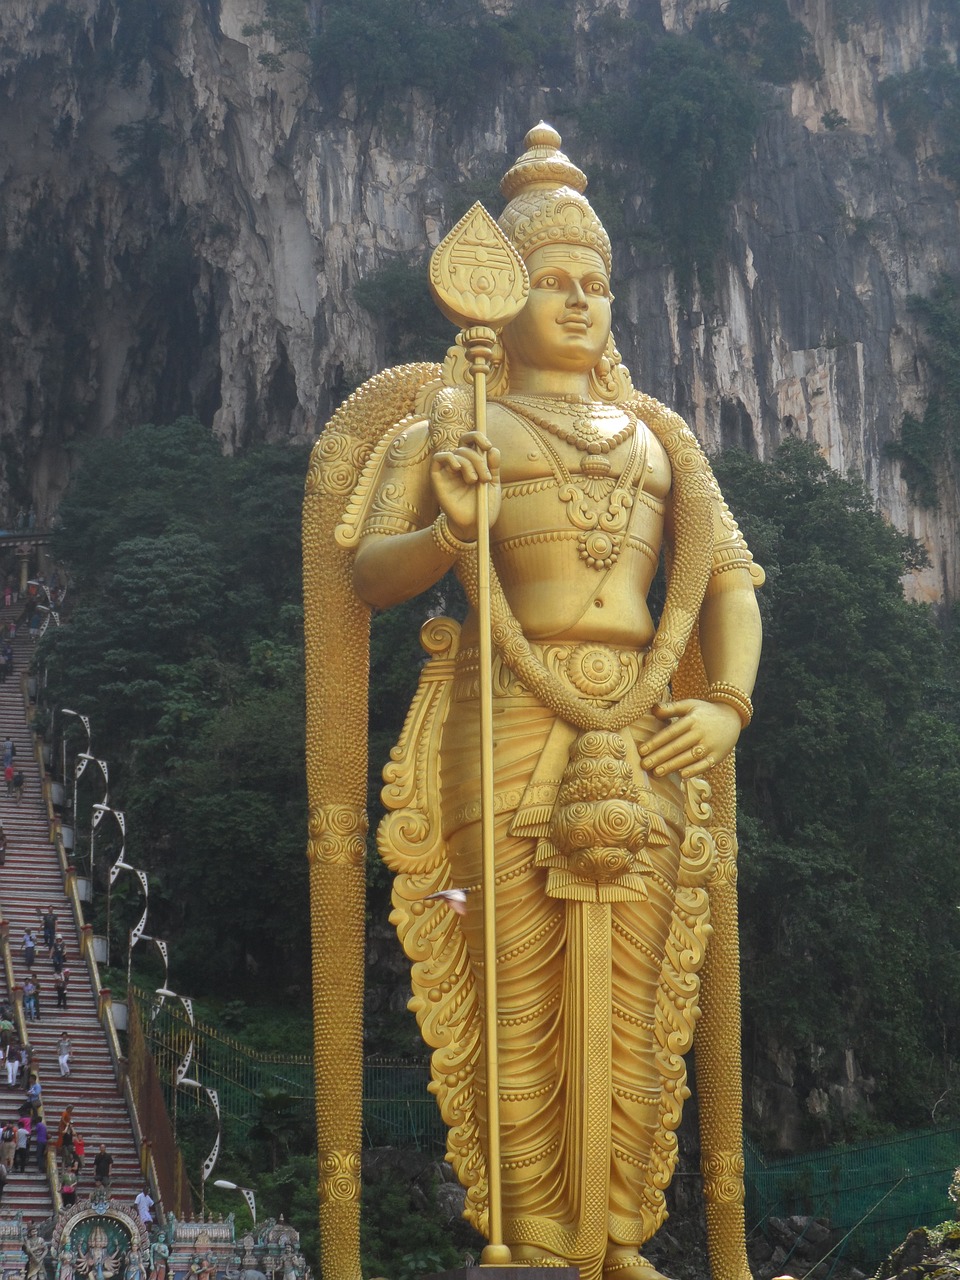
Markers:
point(576, 297)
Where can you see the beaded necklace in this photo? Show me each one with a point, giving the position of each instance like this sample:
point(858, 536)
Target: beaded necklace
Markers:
point(583, 434)
point(598, 506)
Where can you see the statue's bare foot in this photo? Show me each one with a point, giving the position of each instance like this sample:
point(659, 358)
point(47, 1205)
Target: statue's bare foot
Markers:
point(535, 1256)
point(627, 1264)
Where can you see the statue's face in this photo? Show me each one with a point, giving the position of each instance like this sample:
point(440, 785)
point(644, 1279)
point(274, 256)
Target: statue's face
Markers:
point(565, 323)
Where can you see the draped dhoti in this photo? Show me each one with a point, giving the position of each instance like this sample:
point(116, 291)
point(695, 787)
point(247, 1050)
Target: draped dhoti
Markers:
point(596, 982)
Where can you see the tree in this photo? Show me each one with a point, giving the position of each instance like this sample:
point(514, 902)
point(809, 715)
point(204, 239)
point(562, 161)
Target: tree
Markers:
point(185, 648)
point(850, 795)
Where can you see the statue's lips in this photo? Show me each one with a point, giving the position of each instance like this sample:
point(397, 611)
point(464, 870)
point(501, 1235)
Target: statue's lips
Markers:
point(576, 325)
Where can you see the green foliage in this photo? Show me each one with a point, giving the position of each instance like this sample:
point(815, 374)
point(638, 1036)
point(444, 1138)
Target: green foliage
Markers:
point(925, 442)
point(49, 271)
point(382, 48)
point(287, 22)
point(919, 450)
point(185, 649)
point(140, 146)
point(138, 35)
point(847, 13)
point(399, 297)
point(832, 119)
point(928, 100)
point(402, 1234)
point(687, 119)
point(850, 795)
point(765, 38)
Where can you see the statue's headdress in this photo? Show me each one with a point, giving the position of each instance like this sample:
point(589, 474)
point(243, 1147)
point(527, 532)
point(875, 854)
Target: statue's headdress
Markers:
point(546, 201)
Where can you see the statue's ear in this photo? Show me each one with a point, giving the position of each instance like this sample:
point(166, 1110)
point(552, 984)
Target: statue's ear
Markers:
point(610, 378)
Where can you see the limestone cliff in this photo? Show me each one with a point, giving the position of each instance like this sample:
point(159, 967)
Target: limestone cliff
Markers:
point(183, 228)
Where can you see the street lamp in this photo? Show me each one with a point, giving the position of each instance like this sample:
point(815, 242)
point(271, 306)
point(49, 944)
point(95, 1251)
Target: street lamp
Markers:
point(85, 721)
point(79, 766)
point(183, 1066)
point(208, 1165)
point(247, 1194)
point(120, 864)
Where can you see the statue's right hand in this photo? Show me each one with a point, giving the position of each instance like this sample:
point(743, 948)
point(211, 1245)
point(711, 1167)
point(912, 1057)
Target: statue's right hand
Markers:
point(455, 475)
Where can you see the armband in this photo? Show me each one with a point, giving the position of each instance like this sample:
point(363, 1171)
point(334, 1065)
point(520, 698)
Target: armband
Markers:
point(731, 696)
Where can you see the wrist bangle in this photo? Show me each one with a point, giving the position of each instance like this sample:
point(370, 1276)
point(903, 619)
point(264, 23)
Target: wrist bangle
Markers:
point(447, 541)
point(731, 696)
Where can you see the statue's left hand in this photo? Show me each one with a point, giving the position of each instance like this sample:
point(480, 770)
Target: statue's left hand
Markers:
point(698, 736)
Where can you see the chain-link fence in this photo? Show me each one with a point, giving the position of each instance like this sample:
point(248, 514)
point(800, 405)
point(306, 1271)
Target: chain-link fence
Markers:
point(397, 1109)
point(877, 1190)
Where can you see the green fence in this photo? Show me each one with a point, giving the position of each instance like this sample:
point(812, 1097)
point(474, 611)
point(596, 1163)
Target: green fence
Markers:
point(877, 1191)
point(241, 1076)
point(397, 1110)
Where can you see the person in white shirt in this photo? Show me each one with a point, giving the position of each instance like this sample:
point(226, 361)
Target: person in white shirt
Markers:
point(144, 1206)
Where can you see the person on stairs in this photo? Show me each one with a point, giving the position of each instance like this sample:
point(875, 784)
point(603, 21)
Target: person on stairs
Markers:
point(102, 1163)
point(8, 1144)
point(29, 949)
point(41, 1136)
point(30, 1009)
point(48, 919)
point(60, 986)
point(63, 1053)
point(35, 1099)
point(22, 1148)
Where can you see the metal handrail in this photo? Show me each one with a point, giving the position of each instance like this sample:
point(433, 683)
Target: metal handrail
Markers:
point(104, 1006)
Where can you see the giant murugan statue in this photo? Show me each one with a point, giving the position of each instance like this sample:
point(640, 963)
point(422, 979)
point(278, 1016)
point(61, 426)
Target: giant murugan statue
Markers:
point(612, 733)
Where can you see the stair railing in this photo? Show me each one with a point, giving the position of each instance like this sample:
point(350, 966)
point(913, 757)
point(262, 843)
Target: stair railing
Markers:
point(102, 994)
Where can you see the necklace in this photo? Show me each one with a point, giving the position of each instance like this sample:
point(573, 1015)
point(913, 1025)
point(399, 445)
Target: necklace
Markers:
point(583, 434)
point(597, 506)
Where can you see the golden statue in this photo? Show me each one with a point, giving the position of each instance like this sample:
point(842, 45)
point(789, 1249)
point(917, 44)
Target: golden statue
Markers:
point(612, 818)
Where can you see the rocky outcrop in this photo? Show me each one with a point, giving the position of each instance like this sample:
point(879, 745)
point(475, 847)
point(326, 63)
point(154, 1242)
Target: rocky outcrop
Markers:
point(183, 228)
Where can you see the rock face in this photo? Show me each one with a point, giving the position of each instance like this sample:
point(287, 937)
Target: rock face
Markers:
point(183, 228)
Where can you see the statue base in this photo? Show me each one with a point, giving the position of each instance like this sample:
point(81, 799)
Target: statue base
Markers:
point(530, 1272)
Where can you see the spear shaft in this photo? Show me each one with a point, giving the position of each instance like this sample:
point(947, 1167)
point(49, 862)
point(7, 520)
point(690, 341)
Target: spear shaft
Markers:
point(479, 344)
point(480, 283)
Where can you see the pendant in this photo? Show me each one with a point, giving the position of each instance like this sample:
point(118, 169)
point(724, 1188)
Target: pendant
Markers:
point(595, 465)
point(600, 550)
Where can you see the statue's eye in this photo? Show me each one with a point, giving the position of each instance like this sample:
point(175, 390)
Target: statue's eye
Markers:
point(548, 282)
point(597, 288)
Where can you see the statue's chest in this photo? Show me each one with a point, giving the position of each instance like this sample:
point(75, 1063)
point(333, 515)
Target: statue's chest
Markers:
point(622, 451)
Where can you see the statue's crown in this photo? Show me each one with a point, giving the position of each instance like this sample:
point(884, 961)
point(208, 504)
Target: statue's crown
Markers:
point(546, 201)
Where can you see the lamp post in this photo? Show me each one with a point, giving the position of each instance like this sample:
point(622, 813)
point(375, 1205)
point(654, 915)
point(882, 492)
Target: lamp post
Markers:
point(247, 1194)
point(208, 1165)
point(85, 721)
point(180, 1072)
point(120, 864)
point(83, 759)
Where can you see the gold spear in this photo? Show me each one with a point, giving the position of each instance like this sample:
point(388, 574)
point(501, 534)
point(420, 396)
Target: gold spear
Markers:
point(479, 282)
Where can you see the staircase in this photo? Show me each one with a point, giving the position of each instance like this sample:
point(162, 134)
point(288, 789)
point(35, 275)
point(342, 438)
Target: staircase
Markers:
point(30, 881)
